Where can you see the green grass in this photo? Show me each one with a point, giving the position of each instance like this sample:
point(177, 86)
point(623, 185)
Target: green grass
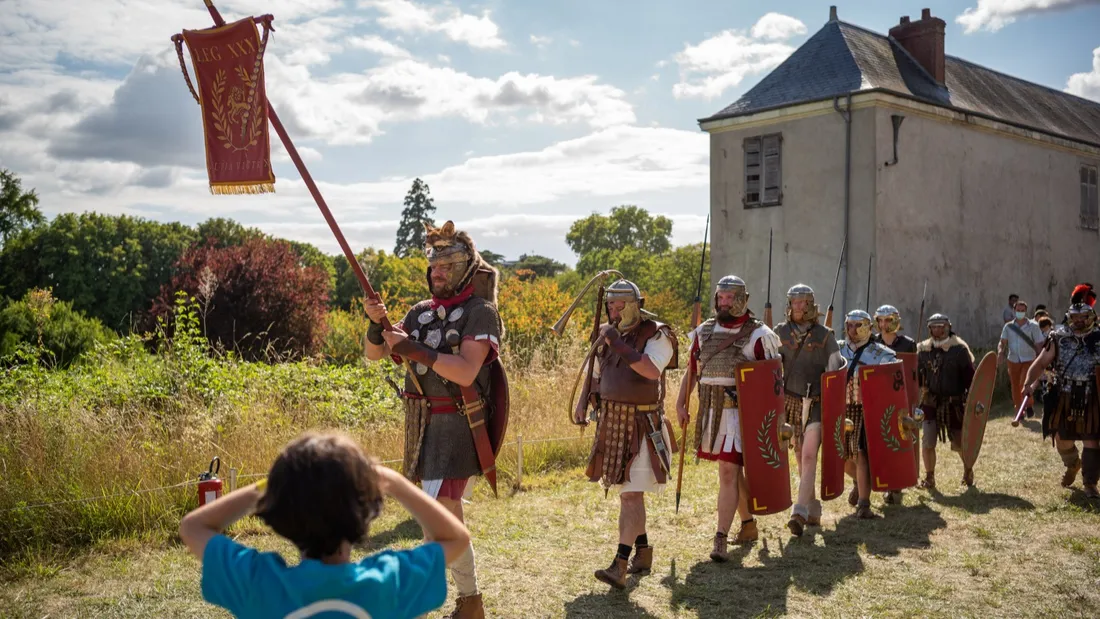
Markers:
point(1016, 545)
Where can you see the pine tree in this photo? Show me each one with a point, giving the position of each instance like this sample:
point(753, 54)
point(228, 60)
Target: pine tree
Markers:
point(418, 210)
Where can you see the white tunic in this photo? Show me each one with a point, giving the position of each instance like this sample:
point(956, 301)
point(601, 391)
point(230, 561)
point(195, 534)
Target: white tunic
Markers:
point(729, 430)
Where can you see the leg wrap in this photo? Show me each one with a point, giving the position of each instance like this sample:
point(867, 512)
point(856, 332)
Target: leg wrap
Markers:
point(464, 572)
point(1069, 456)
point(1090, 466)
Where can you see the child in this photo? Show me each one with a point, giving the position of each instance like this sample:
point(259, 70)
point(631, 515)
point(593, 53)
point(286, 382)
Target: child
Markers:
point(321, 494)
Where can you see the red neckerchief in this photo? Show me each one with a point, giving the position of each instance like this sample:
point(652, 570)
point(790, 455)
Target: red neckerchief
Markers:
point(736, 322)
point(449, 302)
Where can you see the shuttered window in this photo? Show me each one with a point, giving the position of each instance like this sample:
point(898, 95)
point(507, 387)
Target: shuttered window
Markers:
point(1090, 209)
point(763, 171)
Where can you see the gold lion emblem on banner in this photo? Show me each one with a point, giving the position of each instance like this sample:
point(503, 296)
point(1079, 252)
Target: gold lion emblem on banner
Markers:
point(238, 117)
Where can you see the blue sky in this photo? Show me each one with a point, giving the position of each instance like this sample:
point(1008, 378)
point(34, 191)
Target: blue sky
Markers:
point(522, 116)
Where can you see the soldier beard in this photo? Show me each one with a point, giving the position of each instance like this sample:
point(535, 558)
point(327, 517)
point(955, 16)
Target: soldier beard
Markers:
point(454, 279)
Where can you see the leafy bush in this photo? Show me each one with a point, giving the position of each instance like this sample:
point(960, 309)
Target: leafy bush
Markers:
point(49, 329)
point(255, 298)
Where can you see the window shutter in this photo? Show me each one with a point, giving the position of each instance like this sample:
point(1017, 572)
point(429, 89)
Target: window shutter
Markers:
point(752, 171)
point(772, 169)
point(1095, 207)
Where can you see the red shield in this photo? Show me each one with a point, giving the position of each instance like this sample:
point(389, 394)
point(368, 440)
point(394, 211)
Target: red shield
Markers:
point(498, 399)
point(912, 390)
point(760, 402)
point(833, 416)
point(890, 443)
point(978, 403)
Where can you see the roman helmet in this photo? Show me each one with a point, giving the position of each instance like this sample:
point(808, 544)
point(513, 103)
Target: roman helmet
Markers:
point(861, 318)
point(802, 291)
point(892, 316)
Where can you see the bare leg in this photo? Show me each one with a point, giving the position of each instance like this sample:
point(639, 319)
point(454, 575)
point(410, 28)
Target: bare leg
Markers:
point(807, 487)
point(631, 517)
point(728, 496)
point(863, 479)
point(742, 494)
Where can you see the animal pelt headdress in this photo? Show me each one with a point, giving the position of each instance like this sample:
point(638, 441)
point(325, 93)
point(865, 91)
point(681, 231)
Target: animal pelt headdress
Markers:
point(448, 245)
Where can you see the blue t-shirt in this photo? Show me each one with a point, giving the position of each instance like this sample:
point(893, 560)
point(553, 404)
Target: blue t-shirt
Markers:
point(387, 585)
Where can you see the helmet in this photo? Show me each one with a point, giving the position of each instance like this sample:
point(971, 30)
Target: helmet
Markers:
point(939, 320)
point(447, 247)
point(863, 319)
point(626, 290)
point(892, 316)
point(802, 291)
point(736, 285)
point(1081, 318)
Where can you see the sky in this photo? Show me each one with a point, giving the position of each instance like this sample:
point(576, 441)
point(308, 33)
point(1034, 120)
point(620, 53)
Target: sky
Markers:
point(521, 116)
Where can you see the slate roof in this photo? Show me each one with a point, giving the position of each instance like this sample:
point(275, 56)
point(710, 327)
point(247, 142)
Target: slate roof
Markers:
point(842, 58)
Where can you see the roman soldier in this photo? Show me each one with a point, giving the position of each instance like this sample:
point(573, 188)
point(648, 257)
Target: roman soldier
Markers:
point(1071, 410)
point(631, 451)
point(888, 324)
point(451, 344)
point(859, 350)
point(945, 369)
point(729, 338)
point(809, 349)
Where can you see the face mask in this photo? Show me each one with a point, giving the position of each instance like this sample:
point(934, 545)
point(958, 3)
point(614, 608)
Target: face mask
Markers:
point(1021, 315)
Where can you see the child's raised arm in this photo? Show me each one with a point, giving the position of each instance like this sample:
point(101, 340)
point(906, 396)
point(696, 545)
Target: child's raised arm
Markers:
point(439, 525)
point(199, 526)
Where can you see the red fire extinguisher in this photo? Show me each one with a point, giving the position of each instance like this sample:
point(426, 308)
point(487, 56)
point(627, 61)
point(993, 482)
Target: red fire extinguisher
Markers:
point(210, 487)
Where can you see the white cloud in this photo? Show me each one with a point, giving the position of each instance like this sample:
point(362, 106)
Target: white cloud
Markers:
point(1087, 84)
point(311, 42)
point(350, 108)
point(724, 60)
point(33, 33)
point(541, 42)
point(777, 27)
point(379, 46)
point(992, 15)
point(405, 16)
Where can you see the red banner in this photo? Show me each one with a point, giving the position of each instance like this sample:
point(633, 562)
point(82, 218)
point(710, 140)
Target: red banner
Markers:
point(228, 63)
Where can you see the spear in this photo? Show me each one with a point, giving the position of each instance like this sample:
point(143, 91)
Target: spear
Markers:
point(768, 303)
point(696, 311)
point(870, 259)
point(836, 280)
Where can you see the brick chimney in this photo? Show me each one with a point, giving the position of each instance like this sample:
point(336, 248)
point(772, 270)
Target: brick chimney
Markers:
point(924, 41)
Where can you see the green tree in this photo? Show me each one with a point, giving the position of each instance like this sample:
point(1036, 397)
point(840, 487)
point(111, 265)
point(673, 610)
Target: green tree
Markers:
point(347, 288)
point(540, 265)
point(18, 208)
point(109, 267)
point(627, 226)
point(226, 231)
point(419, 208)
point(491, 257)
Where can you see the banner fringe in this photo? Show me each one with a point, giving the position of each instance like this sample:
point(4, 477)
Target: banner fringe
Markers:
point(236, 189)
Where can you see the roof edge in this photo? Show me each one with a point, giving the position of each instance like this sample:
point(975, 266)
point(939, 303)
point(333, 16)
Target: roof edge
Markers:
point(909, 97)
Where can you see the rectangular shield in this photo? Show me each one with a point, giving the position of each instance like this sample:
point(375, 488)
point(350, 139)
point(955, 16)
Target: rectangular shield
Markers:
point(912, 390)
point(890, 441)
point(760, 403)
point(833, 430)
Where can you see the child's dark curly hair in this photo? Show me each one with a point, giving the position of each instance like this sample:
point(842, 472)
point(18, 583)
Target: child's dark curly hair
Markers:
point(321, 490)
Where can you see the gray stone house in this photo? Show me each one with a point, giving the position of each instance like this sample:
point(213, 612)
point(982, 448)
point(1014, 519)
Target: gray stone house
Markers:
point(933, 168)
